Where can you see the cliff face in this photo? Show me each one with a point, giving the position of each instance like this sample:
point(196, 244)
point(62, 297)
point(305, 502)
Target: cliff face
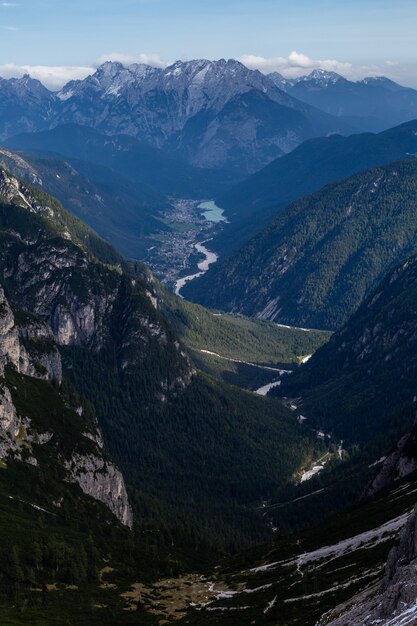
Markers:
point(101, 480)
point(400, 463)
point(65, 289)
point(29, 343)
point(394, 600)
point(20, 435)
point(49, 272)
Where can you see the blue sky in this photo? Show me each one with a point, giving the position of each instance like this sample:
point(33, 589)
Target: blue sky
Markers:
point(355, 38)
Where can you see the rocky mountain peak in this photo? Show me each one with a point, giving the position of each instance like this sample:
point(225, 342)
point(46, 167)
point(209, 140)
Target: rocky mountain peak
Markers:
point(321, 77)
point(28, 84)
point(280, 81)
point(142, 71)
point(383, 82)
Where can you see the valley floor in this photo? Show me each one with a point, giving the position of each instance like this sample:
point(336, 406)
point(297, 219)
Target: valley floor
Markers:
point(181, 254)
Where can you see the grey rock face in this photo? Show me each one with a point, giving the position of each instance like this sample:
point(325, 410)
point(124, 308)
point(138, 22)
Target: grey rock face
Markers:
point(97, 477)
point(25, 106)
point(9, 422)
point(29, 349)
point(200, 109)
point(104, 482)
point(394, 601)
point(43, 357)
point(9, 338)
point(401, 462)
point(161, 100)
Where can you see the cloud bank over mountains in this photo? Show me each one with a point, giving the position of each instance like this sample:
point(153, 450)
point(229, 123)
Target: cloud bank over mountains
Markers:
point(148, 59)
point(298, 64)
point(294, 65)
point(53, 77)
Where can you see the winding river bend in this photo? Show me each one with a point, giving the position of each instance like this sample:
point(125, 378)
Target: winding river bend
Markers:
point(203, 266)
point(212, 213)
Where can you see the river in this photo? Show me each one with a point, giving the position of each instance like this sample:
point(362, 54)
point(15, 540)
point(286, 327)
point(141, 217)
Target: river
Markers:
point(212, 213)
point(210, 258)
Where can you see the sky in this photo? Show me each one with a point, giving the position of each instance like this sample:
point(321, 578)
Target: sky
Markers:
point(58, 40)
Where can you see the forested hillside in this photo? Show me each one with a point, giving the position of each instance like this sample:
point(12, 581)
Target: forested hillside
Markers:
point(370, 363)
point(323, 255)
point(254, 202)
point(191, 449)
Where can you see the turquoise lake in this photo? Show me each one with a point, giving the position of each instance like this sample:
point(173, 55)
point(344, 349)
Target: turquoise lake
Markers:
point(211, 211)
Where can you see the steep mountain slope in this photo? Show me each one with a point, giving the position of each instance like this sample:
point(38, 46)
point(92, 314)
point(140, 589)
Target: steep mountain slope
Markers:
point(317, 261)
point(243, 351)
point(25, 106)
point(68, 435)
point(149, 169)
point(341, 563)
point(370, 363)
point(280, 81)
point(124, 214)
point(196, 109)
point(254, 202)
point(195, 453)
point(249, 131)
point(371, 104)
point(393, 600)
point(357, 567)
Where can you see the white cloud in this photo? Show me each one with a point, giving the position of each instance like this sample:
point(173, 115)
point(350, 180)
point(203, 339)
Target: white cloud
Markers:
point(148, 59)
point(298, 64)
point(8, 4)
point(53, 77)
point(294, 65)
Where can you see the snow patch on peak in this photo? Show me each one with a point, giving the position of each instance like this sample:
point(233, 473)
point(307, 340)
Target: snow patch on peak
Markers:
point(322, 78)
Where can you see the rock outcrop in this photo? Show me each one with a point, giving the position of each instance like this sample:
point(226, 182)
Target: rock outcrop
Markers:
point(62, 296)
point(393, 601)
point(29, 346)
point(400, 463)
point(30, 349)
point(101, 480)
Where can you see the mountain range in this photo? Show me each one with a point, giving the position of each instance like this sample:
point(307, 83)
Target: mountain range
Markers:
point(214, 114)
point(374, 103)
